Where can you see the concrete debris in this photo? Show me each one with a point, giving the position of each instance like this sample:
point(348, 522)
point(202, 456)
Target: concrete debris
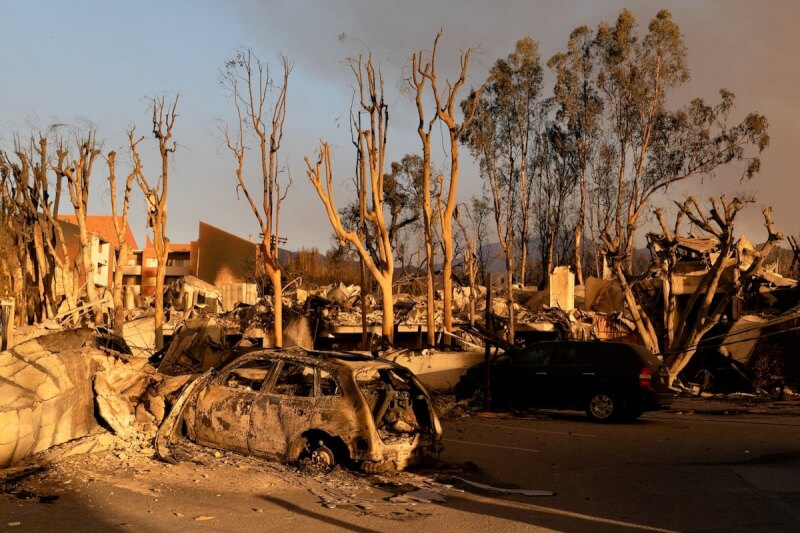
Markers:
point(113, 408)
point(198, 344)
point(69, 384)
point(140, 335)
point(45, 384)
point(234, 294)
point(437, 370)
point(603, 296)
point(742, 338)
point(189, 292)
point(521, 492)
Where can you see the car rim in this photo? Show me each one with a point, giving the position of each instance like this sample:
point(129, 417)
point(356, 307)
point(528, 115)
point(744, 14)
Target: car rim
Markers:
point(601, 406)
point(322, 457)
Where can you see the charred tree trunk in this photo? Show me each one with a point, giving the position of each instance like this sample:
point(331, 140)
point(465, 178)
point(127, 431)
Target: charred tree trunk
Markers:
point(250, 83)
point(163, 120)
point(419, 75)
point(78, 173)
point(579, 232)
point(510, 296)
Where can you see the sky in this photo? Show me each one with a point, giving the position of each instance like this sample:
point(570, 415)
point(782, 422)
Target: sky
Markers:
point(98, 62)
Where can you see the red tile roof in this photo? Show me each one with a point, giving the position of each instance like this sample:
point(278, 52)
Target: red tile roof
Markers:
point(103, 226)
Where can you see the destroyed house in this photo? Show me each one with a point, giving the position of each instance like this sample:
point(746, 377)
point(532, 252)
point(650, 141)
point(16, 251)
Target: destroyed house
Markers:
point(102, 251)
point(216, 258)
point(693, 258)
point(139, 273)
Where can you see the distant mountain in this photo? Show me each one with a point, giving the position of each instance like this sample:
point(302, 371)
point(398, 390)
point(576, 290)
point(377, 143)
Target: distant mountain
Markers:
point(496, 259)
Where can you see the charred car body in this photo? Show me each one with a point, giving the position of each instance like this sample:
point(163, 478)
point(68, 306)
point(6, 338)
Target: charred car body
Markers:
point(329, 407)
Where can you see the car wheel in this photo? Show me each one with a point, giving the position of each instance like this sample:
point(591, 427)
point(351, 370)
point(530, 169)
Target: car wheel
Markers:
point(322, 457)
point(602, 407)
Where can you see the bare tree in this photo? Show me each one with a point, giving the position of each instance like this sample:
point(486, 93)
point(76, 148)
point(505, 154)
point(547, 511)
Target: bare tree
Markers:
point(446, 105)
point(78, 173)
point(19, 225)
point(163, 119)
point(470, 256)
point(402, 200)
point(121, 223)
point(370, 125)
point(421, 72)
point(709, 302)
point(251, 84)
point(37, 232)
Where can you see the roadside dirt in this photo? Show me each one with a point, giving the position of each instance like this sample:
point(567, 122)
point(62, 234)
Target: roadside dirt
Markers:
point(107, 481)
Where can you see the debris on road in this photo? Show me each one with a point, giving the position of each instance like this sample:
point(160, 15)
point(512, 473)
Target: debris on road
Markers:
point(490, 488)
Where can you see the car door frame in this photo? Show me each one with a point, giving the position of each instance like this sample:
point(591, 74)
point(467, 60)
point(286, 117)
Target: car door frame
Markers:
point(572, 374)
point(528, 380)
point(222, 413)
point(277, 419)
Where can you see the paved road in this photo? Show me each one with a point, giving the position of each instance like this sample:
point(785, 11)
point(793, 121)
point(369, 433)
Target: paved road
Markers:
point(667, 472)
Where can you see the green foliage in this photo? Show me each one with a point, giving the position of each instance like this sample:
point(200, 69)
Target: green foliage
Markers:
point(697, 140)
point(609, 128)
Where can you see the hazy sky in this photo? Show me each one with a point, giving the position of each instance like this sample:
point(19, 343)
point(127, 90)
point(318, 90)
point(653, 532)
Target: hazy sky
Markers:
point(98, 61)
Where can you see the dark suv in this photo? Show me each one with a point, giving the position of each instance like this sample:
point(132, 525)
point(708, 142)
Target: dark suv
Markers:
point(610, 380)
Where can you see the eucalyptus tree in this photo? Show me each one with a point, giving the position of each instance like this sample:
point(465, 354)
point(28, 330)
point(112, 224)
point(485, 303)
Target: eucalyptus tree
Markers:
point(553, 189)
point(487, 138)
point(519, 84)
point(580, 108)
point(502, 138)
point(654, 146)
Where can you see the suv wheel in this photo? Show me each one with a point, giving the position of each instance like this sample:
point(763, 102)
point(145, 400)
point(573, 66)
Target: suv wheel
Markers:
point(602, 407)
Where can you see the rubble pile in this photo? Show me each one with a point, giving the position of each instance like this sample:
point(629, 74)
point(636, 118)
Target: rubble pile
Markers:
point(75, 383)
point(45, 384)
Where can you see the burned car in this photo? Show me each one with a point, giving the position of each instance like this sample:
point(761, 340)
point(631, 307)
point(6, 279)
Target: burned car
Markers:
point(293, 404)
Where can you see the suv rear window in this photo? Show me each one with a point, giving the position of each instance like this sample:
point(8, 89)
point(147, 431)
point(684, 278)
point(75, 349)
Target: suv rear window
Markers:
point(645, 356)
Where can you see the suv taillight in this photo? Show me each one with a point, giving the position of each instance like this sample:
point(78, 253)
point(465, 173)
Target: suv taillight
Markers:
point(645, 378)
